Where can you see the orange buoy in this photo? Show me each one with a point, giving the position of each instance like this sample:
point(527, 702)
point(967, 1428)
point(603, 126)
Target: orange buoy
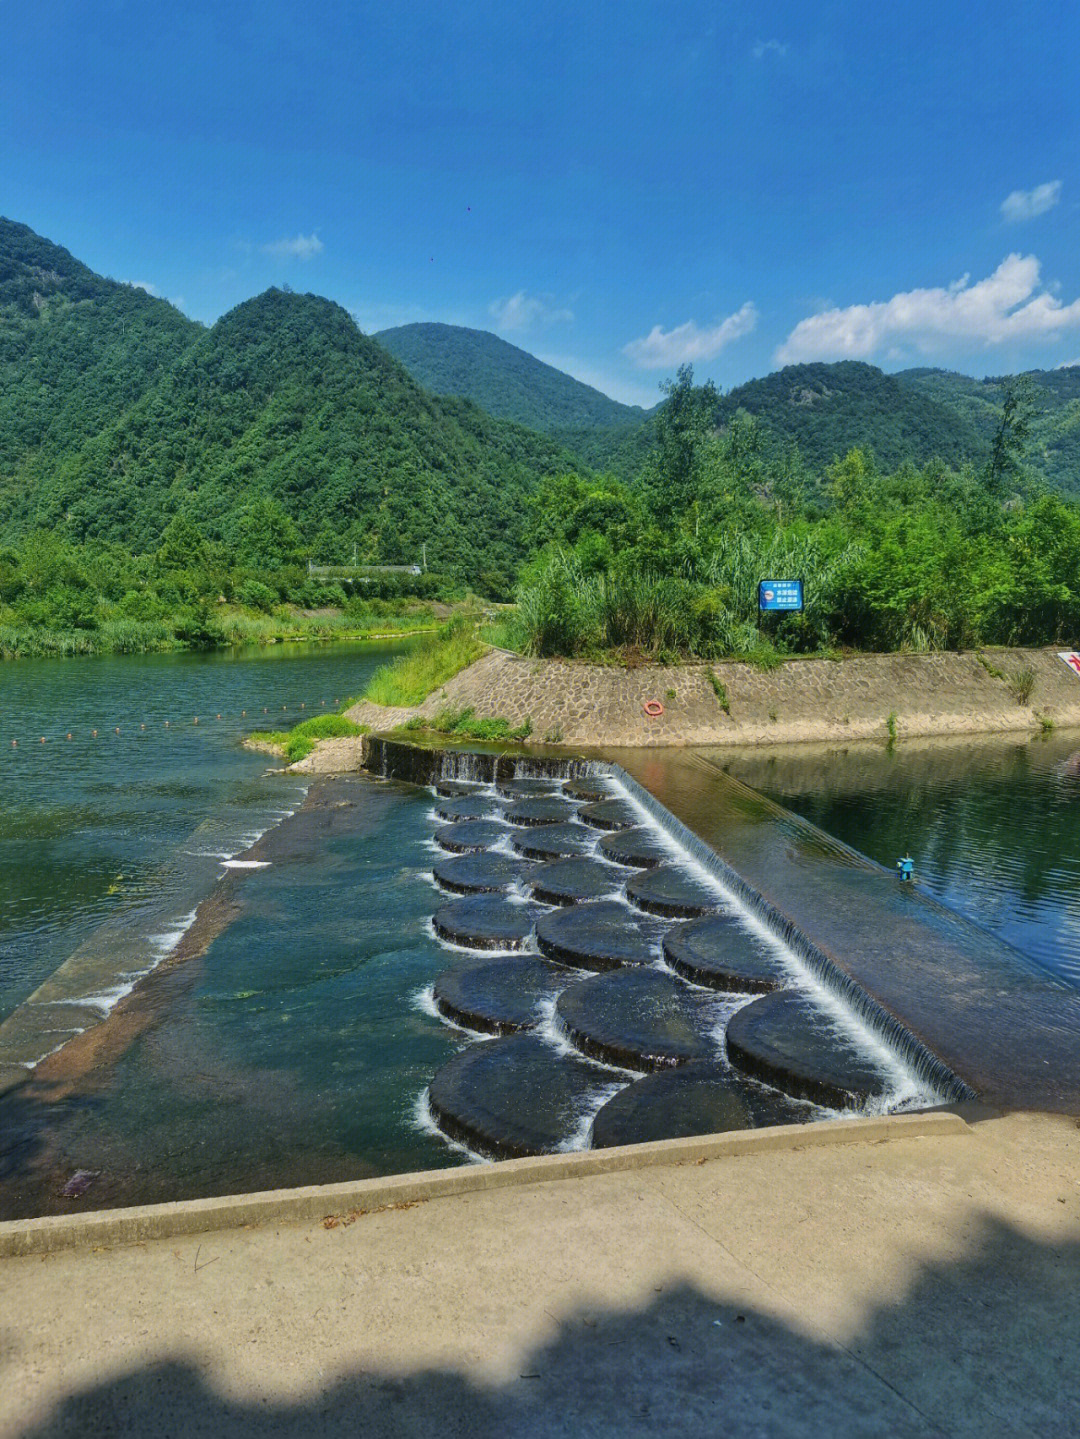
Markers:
point(69, 734)
point(42, 739)
point(116, 730)
point(653, 708)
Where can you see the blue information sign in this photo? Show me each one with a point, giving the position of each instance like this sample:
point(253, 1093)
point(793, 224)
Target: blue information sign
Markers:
point(780, 595)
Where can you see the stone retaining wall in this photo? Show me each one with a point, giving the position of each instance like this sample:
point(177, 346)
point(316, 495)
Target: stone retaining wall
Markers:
point(814, 699)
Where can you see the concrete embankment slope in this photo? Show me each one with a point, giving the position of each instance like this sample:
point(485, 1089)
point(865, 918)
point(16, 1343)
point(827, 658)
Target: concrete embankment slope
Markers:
point(812, 699)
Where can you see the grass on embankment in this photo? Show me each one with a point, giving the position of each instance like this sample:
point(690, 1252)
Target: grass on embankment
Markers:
point(461, 724)
point(297, 743)
point(409, 679)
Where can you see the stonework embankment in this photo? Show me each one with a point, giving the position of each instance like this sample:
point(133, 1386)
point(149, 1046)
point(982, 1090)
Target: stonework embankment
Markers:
point(803, 700)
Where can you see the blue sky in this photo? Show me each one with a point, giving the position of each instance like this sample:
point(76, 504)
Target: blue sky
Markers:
point(616, 187)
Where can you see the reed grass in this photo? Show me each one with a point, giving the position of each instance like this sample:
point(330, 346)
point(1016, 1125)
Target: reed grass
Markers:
point(409, 679)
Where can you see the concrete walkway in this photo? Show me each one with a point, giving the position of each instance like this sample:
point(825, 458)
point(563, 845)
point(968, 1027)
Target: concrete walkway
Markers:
point(921, 1286)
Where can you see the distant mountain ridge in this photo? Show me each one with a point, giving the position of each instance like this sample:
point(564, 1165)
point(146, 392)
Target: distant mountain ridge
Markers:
point(827, 408)
point(507, 382)
point(1055, 439)
point(117, 412)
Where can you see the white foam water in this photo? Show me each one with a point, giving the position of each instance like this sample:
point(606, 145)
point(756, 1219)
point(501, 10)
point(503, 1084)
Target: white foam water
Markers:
point(905, 1086)
point(424, 1121)
point(581, 1136)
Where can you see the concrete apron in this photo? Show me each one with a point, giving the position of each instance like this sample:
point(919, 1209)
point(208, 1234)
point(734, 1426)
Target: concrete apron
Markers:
point(114, 1227)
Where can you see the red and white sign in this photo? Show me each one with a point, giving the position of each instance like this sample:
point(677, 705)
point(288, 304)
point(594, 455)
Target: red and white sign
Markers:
point(1071, 658)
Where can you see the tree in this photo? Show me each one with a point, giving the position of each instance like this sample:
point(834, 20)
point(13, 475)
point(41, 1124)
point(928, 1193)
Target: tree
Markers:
point(1018, 410)
point(683, 469)
point(182, 546)
point(266, 538)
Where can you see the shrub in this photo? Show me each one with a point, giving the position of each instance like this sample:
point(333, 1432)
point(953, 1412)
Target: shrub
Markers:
point(718, 690)
point(297, 743)
point(257, 596)
point(1021, 684)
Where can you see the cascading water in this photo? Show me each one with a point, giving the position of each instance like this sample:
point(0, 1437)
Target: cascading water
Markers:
point(907, 1074)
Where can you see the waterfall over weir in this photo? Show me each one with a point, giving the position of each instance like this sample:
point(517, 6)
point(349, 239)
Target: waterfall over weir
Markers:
point(810, 1040)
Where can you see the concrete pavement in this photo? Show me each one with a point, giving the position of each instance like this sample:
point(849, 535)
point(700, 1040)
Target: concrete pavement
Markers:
point(926, 1285)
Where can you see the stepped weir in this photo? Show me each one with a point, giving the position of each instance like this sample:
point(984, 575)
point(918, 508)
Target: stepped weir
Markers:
point(621, 972)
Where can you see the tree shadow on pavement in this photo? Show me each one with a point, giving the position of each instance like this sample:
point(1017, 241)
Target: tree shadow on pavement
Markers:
point(989, 1345)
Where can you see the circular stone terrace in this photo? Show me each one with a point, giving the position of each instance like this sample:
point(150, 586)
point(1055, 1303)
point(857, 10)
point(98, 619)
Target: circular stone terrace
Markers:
point(600, 955)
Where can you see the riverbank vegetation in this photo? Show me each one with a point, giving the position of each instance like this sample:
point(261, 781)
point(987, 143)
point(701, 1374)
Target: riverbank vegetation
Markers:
point(297, 743)
point(409, 679)
point(466, 724)
point(60, 598)
point(167, 485)
point(917, 559)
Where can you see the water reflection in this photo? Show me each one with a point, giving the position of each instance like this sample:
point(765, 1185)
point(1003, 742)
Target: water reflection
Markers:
point(993, 824)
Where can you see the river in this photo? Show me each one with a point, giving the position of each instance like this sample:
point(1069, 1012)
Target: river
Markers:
point(119, 834)
point(992, 823)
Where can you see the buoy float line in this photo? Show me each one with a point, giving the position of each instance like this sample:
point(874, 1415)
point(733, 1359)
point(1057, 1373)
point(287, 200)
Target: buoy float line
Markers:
point(70, 736)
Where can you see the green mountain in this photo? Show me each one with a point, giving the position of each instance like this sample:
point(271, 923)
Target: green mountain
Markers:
point(826, 409)
point(1055, 437)
point(137, 414)
point(514, 385)
point(507, 382)
point(75, 349)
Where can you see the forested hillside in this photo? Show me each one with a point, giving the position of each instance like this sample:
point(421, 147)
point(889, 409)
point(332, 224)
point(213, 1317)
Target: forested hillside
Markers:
point(119, 414)
point(75, 349)
point(509, 383)
point(1055, 426)
point(165, 483)
point(826, 409)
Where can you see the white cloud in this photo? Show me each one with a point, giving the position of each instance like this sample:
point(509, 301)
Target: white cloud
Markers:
point(1009, 305)
point(143, 285)
point(616, 388)
point(766, 47)
point(1026, 204)
point(1069, 364)
point(661, 349)
point(299, 247)
point(521, 311)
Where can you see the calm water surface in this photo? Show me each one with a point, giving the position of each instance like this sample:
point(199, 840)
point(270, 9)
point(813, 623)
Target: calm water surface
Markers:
point(993, 825)
point(113, 840)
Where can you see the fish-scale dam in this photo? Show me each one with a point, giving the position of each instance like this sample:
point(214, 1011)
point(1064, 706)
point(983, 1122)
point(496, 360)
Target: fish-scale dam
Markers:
point(612, 981)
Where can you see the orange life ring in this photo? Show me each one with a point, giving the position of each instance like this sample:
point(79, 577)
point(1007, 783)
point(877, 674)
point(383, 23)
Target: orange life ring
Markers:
point(653, 708)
